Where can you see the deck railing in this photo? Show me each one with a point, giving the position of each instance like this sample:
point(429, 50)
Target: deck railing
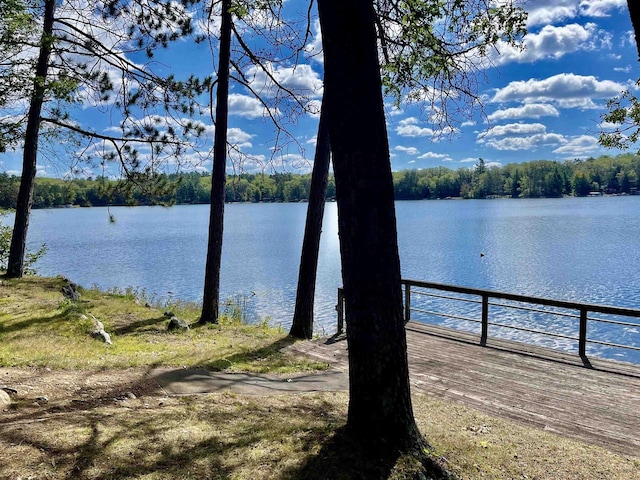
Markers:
point(506, 315)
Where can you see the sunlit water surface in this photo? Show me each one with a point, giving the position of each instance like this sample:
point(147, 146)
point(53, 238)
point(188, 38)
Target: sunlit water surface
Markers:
point(580, 249)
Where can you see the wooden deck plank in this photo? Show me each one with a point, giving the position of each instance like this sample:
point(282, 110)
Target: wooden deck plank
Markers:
point(543, 388)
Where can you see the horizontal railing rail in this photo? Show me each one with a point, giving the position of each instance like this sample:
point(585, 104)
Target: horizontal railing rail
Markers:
point(419, 294)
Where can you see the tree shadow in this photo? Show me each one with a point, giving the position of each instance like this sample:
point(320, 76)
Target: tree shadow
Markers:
point(132, 442)
point(343, 457)
point(257, 354)
point(34, 321)
point(139, 325)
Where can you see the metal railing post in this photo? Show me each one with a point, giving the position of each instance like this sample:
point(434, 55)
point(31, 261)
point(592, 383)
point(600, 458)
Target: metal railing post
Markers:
point(582, 338)
point(485, 320)
point(340, 310)
point(407, 302)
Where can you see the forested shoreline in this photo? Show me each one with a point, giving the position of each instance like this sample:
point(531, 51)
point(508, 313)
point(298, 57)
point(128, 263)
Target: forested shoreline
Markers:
point(535, 179)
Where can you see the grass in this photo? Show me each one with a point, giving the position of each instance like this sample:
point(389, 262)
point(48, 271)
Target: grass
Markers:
point(92, 427)
point(39, 328)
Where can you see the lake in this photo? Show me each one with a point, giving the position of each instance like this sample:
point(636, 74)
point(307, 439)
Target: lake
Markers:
point(579, 249)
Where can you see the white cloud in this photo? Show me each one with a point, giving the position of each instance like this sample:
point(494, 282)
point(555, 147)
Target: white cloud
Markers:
point(469, 160)
point(532, 142)
point(300, 79)
point(514, 129)
point(407, 150)
point(579, 146)
point(600, 8)
point(435, 156)
point(239, 137)
point(530, 110)
point(409, 128)
point(245, 106)
point(567, 89)
point(553, 42)
point(546, 12)
point(314, 49)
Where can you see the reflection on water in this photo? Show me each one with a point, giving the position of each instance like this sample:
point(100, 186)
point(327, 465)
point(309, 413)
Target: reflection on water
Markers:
point(584, 250)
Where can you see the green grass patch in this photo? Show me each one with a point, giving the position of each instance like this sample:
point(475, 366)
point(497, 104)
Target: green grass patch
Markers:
point(40, 328)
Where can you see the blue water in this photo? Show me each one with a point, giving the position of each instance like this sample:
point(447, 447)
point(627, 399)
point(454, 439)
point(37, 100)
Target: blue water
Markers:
point(579, 249)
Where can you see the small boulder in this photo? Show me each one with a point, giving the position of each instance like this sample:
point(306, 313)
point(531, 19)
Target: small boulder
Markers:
point(70, 291)
point(104, 336)
point(99, 332)
point(5, 399)
point(169, 314)
point(176, 324)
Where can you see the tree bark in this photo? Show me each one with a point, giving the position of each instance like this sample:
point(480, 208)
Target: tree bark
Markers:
point(380, 411)
point(302, 326)
point(634, 12)
point(15, 263)
point(211, 294)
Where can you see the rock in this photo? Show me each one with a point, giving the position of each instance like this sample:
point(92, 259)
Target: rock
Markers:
point(169, 314)
point(98, 326)
point(104, 336)
point(130, 395)
point(5, 399)
point(10, 391)
point(43, 399)
point(70, 291)
point(99, 332)
point(177, 324)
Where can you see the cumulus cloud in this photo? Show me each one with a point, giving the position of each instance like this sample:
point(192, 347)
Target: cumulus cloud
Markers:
point(492, 164)
point(600, 8)
point(532, 142)
point(546, 12)
point(514, 129)
point(568, 90)
point(409, 127)
point(245, 106)
point(314, 48)
point(239, 137)
point(407, 150)
point(530, 110)
point(553, 42)
point(435, 156)
point(301, 79)
point(579, 146)
point(519, 136)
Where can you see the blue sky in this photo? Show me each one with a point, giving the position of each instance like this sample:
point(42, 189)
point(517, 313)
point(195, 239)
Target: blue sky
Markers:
point(542, 103)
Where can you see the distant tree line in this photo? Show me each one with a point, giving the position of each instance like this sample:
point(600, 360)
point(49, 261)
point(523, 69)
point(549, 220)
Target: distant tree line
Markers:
point(541, 178)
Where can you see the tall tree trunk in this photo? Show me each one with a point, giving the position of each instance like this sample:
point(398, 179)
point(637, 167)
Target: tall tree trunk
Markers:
point(380, 411)
point(302, 326)
point(211, 295)
point(634, 12)
point(15, 264)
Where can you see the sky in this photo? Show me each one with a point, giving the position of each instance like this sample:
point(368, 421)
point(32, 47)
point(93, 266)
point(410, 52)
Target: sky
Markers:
point(542, 103)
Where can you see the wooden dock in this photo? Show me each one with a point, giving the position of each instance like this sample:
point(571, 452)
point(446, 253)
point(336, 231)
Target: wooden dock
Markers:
point(539, 387)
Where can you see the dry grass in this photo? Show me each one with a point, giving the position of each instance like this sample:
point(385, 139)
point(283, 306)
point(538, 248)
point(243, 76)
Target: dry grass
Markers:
point(38, 327)
point(298, 436)
point(92, 427)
